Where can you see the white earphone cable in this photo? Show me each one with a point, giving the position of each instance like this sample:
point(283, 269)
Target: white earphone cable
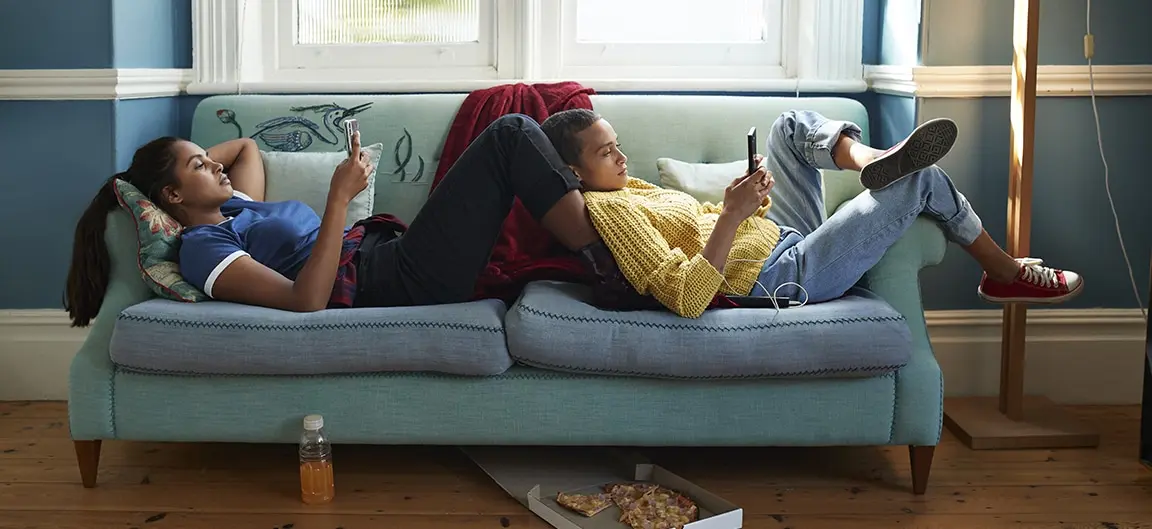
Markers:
point(776, 291)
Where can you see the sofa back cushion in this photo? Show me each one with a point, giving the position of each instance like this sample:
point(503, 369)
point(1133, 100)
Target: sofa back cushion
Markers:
point(307, 177)
point(413, 128)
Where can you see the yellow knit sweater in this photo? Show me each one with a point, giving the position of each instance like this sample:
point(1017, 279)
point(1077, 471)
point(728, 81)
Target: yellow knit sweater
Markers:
point(657, 236)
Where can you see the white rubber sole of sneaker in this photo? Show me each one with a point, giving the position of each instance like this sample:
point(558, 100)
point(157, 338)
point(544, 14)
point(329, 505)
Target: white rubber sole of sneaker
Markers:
point(1033, 301)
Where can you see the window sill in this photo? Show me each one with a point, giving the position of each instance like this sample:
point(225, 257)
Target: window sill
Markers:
point(785, 86)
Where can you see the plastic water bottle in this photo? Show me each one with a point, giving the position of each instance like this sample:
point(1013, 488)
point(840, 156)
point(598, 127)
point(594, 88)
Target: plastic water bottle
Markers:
point(316, 484)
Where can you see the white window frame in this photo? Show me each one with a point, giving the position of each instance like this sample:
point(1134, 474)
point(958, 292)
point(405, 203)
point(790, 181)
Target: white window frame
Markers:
point(520, 41)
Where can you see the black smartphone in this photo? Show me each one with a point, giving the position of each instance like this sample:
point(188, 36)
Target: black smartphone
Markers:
point(761, 302)
point(752, 150)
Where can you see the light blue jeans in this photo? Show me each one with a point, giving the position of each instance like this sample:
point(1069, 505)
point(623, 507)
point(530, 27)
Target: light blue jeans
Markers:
point(828, 257)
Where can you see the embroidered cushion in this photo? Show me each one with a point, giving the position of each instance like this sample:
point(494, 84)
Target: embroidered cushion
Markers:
point(158, 245)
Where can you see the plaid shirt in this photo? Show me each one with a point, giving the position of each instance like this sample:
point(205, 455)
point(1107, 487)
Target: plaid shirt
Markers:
point(344, 288)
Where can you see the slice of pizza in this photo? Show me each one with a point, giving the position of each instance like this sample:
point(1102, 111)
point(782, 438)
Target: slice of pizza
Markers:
point(661, 508)
point(626, 494)
point(587, 504)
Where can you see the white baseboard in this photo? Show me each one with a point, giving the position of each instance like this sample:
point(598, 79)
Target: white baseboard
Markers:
point(93, 84)
point(1075, 356)
point(36, 348)
point(1052, 80)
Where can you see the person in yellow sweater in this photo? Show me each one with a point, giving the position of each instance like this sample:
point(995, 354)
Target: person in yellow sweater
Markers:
point(770, 232)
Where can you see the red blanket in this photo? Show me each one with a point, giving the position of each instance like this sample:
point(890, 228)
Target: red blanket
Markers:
point(524, 252)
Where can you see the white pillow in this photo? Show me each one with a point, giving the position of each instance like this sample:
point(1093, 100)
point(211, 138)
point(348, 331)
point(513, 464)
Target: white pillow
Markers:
point(307, 177)
point(704, 181)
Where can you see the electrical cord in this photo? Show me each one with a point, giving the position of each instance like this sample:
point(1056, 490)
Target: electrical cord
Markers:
point(1089, 52)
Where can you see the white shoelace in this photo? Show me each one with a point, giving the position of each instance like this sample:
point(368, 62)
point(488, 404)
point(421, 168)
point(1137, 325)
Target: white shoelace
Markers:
point(1041, 276)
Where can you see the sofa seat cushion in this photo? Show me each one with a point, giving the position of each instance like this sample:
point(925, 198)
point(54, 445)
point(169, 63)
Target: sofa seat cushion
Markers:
point(231, 339)
point(553, 326)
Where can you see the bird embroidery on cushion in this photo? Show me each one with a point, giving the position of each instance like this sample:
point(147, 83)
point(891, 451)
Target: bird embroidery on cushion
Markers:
point(297, 133)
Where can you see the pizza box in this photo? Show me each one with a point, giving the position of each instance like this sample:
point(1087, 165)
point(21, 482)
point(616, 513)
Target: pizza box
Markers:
point(535, 475)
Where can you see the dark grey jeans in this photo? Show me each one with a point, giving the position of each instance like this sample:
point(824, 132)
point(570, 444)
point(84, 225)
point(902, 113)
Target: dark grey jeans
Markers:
point(448, 244)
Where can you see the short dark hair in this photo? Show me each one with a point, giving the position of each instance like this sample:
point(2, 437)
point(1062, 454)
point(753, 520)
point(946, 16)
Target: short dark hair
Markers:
point(562, 128)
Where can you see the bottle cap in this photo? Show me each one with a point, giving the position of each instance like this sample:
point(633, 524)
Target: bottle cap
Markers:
point(313, 422)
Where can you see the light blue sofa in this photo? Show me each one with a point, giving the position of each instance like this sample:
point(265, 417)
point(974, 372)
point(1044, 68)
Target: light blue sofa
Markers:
point(548, 370)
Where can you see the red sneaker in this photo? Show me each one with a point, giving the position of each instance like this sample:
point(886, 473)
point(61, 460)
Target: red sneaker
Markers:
point(1034, 284)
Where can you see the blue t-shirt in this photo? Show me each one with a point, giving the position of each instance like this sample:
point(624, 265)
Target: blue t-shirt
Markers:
point(279, 235)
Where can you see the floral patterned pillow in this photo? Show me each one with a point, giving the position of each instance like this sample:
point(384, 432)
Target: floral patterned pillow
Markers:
point(158, 245)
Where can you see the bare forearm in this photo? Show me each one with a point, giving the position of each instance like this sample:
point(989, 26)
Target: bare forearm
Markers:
point(242, 162)
point(313, 286)
point(228, 152)
point(720, 242)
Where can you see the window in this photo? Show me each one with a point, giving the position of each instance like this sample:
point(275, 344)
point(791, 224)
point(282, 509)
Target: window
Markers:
point(680, 39)
point(447, 39)
point(383, 22)
point(433, 45)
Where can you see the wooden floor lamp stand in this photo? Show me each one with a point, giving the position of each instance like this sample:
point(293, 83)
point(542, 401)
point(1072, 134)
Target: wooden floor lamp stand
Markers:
point(1014, 420)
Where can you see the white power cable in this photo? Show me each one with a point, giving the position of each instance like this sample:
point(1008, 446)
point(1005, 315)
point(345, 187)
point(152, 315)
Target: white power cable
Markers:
point(1089, 52)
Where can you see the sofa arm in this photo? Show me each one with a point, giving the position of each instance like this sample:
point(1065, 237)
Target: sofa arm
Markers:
point(919, 385)
point(90, 379)
point(923, 245)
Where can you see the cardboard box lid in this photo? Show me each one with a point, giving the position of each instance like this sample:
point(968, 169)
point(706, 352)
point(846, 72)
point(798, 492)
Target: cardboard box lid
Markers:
point(553, 469)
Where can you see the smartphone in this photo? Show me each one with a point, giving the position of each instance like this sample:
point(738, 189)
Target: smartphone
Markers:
point(350, 128)
point(752, 150)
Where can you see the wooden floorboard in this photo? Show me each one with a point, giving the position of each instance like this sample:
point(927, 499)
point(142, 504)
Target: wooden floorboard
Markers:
point(208, 485)
point(191, 520)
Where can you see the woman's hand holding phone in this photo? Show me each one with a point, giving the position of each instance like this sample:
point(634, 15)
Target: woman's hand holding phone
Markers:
point(351, 176)
point(747, 193)
point(742, 198)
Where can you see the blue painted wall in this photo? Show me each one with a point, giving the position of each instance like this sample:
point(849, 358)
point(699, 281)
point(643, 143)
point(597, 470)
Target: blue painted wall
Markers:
point(896, 37)
point(139, 121)
point(968, 32)
point(59, 153)
point(55, 34)
point(893, 118)
point(898, 32)
point(873, 10)
point(1072, 223)
point(152, 33)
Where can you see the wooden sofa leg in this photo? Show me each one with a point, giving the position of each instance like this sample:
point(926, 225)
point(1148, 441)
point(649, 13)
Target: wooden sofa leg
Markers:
point(88, 457)
point(921, 458)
